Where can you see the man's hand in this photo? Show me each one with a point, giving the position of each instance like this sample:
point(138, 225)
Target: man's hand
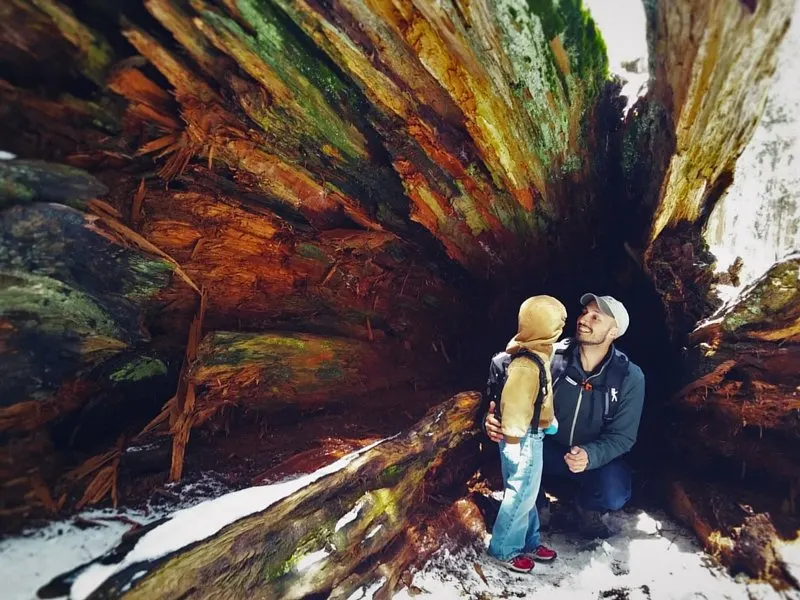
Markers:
point(577, 460)
point(492, 425)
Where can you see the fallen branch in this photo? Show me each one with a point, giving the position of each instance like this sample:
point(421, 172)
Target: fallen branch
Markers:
point(256, 543)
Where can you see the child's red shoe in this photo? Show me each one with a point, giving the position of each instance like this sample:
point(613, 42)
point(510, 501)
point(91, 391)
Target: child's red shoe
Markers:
point(520, 563)
point(542, 554)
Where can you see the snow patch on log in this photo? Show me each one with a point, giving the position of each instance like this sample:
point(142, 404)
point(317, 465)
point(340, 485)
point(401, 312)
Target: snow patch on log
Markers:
point(202, 521)
point(310, 559)
point(349, 517)
point(741, 295)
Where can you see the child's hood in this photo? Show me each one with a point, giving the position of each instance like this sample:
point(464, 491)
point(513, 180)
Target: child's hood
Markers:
point(541, 321)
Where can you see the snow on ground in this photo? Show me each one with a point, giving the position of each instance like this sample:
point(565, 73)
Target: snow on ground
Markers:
point(650, 558)
point(33, 558)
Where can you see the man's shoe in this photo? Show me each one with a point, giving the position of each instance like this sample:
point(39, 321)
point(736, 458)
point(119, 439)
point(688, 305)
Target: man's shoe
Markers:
point(591, 524)
point(520, 563)
point(542, 554)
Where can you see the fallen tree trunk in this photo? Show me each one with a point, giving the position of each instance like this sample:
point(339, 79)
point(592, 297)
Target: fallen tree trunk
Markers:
point(318, 167)
point(256, 543)
point(739, 418)
point(272, 370)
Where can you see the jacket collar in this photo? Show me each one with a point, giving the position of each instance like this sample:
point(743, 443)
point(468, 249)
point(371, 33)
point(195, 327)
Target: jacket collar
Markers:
point(576, 359)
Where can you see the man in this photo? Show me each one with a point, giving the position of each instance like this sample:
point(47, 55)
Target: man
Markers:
point(598, 398)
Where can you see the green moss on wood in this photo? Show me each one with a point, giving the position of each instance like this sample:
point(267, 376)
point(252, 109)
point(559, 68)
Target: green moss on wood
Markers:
point(94, 52)
point(52, 307)
point(139, 369)
point(584, 44)
point(25, 181)
point(547, 93)
point(230, 348)
point(331, 370)
point(312, 83)
point(316, 540)
point(766, 300)
point(152, 276)
point(553, 23)
point(14, 192)
point(313, 252)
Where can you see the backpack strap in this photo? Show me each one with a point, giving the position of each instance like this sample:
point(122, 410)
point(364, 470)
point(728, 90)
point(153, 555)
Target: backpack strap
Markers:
point(497, 376)
point(540, 398)
point(617, 371)
point(562, 357)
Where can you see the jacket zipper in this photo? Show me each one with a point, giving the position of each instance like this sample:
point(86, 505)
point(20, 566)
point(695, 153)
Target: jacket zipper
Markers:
point(580, 397)
point(575, 417)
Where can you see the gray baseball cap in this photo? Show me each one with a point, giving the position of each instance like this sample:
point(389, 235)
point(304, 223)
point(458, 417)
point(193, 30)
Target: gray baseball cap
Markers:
point(612, 307)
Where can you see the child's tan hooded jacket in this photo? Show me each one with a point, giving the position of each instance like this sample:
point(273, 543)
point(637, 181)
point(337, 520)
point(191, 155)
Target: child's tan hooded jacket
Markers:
point(541, 321)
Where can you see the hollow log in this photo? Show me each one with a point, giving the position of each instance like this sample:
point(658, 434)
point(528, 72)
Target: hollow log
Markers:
point(378, 173)
point(308, 542)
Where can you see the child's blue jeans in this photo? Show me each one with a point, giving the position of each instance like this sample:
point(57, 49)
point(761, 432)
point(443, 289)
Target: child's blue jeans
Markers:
point(516, 529)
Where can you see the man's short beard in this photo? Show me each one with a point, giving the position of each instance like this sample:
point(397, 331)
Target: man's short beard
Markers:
point(588, 339)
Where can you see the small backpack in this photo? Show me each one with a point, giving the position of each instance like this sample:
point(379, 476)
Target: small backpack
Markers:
point(498, 373)
point(617, 371)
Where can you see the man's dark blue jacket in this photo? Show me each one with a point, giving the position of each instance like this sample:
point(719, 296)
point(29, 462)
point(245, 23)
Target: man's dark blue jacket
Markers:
point(580, 411)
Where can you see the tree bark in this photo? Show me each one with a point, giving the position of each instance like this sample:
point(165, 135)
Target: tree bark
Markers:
point(745, 540)
point(747, 360)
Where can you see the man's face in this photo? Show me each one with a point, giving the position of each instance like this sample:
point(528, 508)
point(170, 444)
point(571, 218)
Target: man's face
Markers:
point(594, 327)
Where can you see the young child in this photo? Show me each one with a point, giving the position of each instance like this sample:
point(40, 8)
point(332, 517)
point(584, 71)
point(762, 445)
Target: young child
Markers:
point(515, 536)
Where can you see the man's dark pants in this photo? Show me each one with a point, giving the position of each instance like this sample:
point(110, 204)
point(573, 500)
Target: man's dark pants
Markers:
point(603, 489)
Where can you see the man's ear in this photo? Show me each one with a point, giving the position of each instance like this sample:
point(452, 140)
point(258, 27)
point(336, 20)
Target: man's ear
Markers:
point(613, 332)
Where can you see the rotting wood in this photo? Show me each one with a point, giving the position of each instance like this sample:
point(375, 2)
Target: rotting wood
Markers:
point(739, 419)
point(286, 143)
